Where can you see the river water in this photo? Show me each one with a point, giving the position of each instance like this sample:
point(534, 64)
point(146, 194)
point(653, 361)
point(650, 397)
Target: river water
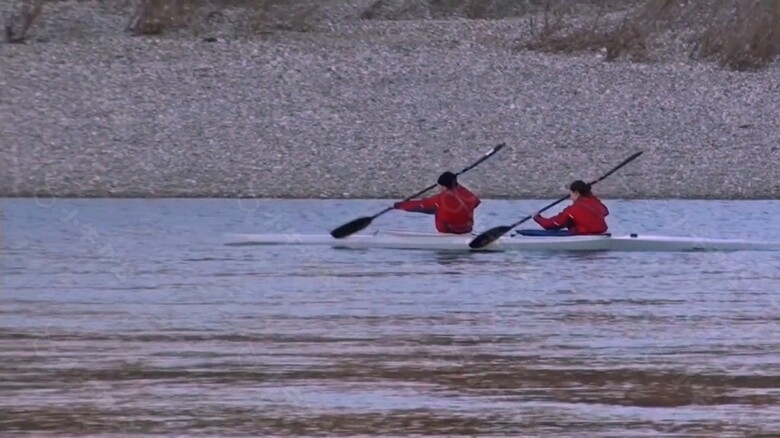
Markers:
point(131, 318)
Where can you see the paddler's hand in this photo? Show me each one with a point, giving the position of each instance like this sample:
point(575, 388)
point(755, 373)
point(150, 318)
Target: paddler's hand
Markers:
point(397, 205)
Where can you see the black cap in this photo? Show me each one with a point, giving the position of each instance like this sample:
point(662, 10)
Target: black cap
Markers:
point(580, 187)
point(448, 179)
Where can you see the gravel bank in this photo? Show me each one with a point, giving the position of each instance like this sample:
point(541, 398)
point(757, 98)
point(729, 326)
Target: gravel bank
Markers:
point(370, 109)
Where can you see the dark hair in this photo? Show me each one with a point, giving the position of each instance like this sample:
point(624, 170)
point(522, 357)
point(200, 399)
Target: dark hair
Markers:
point(448, 179)
point(580, 187)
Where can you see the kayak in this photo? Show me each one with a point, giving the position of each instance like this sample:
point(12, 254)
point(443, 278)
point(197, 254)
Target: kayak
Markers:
point(411, 240)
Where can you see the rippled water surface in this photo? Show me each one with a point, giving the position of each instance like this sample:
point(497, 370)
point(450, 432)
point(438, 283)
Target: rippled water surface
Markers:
point(123, 317)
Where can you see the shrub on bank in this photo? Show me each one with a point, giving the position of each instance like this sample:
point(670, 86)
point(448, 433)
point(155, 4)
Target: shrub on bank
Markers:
point(154, 17)
point(739, 34)
point(17, 24)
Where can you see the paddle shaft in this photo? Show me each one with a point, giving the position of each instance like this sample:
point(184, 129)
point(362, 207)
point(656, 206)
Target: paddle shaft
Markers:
point(496, 232)
point(431, 187)
point(362, 222)
point(626, 161)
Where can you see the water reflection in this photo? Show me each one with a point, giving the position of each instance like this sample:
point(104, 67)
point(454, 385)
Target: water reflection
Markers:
point(455, 258)
point(224, 341)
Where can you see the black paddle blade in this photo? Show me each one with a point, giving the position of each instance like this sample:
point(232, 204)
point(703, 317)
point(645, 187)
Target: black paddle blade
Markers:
point(351, 227)
point(489, 236)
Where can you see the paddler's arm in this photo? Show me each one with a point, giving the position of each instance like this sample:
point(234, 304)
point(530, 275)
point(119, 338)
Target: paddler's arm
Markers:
point(426, 206)
point(560, 221)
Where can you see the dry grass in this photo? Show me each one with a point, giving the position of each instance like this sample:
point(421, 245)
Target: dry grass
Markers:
point(17, 25)
point(154, 16)
point(739, 34)
point(157, 16)
point(744, 34)
point(555, 33)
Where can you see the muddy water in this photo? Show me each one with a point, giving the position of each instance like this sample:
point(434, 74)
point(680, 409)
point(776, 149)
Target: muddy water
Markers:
point(131, 317)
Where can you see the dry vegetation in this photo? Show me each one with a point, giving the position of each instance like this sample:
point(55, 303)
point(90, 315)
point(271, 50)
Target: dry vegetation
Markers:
point(17, 25)
point(153, 17)
point(156, 16)
point(740, 34)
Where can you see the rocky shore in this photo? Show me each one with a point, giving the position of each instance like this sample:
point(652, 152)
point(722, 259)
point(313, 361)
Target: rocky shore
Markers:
point(360, 108)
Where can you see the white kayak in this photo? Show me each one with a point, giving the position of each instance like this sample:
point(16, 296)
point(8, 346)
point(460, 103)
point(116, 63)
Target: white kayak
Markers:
point(434, 241)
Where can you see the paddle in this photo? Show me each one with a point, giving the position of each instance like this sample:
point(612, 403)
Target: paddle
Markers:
point(360, 223)
point(494, 233)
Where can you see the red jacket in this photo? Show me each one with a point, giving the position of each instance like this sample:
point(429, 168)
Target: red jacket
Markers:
point(453, 209)
point(585, 216)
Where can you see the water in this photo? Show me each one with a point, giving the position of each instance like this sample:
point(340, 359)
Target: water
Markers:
point(124, 317)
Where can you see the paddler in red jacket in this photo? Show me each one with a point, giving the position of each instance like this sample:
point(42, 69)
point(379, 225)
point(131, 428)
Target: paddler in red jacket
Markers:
point(586, 215)
point(453, 206)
